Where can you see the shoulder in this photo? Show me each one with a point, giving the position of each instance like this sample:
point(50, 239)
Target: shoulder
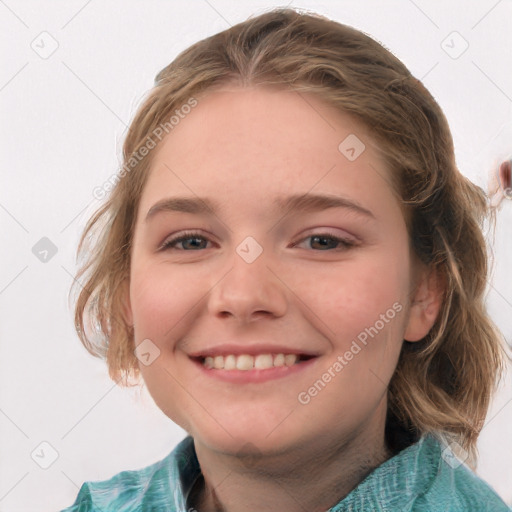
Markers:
point(422, 478)
point(464, 491)
point(456, 488)
point(151, 488)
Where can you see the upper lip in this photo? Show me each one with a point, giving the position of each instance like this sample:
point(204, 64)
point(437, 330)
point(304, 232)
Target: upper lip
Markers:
point(238, 349)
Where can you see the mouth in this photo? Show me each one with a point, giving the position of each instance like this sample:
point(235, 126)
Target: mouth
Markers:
point(248, 362)
point(251, 363)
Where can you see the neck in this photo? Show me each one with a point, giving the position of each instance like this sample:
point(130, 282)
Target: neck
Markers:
point(320, 477)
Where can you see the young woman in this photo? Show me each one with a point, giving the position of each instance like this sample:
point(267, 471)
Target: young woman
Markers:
point(293, 263)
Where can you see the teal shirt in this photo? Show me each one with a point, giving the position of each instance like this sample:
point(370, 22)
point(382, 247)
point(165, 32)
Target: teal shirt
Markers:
point(417, 479)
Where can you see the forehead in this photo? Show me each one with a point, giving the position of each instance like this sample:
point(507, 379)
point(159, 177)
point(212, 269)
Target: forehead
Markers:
point(242, 121)
point(261, 142)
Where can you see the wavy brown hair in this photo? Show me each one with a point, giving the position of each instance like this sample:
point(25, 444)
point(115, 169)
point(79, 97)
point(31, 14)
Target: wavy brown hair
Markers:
point(442, 384)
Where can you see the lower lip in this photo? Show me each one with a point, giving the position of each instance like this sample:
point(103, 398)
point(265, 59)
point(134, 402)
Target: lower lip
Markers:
point(247, 376)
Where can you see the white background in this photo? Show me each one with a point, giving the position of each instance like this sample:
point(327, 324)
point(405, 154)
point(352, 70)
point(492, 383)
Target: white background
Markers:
point(63, 119)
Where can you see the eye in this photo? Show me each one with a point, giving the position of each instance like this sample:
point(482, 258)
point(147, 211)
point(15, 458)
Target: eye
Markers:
point(326, 241)
point(184, 237)
point(319, 241)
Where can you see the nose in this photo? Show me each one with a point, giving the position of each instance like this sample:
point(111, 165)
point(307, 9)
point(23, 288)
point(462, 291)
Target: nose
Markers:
point(248, 290)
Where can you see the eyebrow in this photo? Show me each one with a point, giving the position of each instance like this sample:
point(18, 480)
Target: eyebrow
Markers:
point(304, 203)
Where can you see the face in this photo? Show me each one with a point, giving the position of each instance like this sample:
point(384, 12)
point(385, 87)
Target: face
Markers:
point(311, 291)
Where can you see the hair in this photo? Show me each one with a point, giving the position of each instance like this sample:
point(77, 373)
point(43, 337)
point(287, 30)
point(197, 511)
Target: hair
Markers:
point(443, 383)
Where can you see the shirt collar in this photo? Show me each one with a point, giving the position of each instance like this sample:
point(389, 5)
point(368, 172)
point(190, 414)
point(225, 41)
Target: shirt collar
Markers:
point(390, 486)
point(185, 470)
point(397, 482)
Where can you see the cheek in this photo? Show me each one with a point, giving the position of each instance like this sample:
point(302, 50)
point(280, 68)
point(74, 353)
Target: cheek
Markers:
point(359, 309)
point(161, 299)
point(352, 296)
point(162, 304)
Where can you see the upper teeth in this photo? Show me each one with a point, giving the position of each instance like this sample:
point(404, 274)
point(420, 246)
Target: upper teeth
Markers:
point(248, 362)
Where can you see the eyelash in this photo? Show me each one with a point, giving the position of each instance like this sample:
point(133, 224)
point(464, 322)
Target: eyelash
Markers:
point(169, 244)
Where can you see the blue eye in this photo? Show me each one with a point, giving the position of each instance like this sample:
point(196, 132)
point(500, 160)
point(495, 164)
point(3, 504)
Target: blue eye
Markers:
point(327, 241)
point(187, 236)
point(324, 241)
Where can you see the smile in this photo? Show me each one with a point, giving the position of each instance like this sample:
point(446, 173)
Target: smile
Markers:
point(252, 369)
point(248, 362)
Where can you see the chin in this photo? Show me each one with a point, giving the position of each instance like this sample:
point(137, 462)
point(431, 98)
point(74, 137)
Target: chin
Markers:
point(243, 439)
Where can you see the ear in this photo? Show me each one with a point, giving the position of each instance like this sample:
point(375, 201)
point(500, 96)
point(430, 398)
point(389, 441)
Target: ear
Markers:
point(126, 308)
point(425, 304)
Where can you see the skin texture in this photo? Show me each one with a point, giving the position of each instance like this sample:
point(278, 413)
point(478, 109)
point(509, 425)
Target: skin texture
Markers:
point(259, 447)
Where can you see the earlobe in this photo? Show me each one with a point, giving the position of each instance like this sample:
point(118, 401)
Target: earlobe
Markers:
point(425, 306)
